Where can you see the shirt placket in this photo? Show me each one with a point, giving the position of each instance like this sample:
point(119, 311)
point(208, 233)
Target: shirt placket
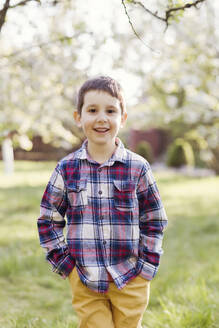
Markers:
point(103, 222)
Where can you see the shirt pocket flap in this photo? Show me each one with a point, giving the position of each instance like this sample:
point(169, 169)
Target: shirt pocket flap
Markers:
point(77, 193)
point(78, 186)
point(124, 185)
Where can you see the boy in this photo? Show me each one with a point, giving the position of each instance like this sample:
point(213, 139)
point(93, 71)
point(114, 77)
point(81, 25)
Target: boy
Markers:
point(115, 218)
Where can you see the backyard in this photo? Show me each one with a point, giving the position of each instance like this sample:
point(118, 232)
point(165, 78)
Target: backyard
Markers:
point(184, 293)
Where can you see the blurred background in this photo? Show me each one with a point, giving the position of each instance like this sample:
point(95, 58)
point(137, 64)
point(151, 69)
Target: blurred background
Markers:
point(170, 76)
point(167, 61)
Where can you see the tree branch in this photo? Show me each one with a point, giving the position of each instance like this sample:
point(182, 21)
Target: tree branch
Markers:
point(23, 3)
point(40, 45)
point(187, 5)
point(148, 10)
point(168, 13)
point(7, 6)
point(3, 13)
point(133, 29)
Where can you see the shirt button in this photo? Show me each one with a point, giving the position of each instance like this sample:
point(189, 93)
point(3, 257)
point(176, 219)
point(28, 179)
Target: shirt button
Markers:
point(100, 192)
point(99, 170)
point(101, 218)
point(104, 242)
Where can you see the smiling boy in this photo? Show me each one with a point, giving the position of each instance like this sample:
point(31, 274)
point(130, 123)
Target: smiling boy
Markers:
point(115, 218)
point(100, 118)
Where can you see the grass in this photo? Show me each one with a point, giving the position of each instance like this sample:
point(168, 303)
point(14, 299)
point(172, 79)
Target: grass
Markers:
point(183, 295)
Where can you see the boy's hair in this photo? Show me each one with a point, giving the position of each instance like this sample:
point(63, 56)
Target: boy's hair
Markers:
point(101, 83)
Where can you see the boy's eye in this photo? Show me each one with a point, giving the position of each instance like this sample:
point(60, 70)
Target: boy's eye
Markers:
point(92, 110)
point(111, 111)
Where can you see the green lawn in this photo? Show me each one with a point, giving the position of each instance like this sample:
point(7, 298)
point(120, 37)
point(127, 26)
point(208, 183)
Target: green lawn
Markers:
point(184, 293)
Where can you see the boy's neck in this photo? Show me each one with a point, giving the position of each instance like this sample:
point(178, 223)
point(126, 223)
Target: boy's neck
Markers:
point(99, 153)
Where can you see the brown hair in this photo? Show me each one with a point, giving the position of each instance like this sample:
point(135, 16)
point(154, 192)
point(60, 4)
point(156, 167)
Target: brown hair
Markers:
point(101, 83)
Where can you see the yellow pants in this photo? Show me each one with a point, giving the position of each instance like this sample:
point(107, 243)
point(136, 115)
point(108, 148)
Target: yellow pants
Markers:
point(116, 309)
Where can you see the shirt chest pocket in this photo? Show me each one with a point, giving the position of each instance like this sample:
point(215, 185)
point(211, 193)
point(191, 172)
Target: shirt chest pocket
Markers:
point(77, 193)
point(124, 195)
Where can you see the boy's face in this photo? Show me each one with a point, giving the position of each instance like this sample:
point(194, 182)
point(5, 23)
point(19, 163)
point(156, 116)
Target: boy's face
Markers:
point(101, 118)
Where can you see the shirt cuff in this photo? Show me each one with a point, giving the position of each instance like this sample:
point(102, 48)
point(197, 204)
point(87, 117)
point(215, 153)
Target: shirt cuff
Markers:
point(66, 266)
point(148, 271)
point(62, 262)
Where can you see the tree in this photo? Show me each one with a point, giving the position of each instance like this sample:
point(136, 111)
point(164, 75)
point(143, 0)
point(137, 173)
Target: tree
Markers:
point(169, 79)
point(37, 88)
point(38, 82)
point(7, 6)
point(173, 9)
point(180, 92)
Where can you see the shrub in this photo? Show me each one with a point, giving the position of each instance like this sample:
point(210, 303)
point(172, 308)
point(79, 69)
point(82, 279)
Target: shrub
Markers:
point(213, 163)
point(144, 149)
point(180, 153)
point(199, 145)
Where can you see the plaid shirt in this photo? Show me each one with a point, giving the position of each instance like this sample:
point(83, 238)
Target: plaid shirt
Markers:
point(115, 218)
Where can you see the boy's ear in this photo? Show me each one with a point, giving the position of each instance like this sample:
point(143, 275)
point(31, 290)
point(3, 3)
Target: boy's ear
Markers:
point(77, 118)
point(124, 118)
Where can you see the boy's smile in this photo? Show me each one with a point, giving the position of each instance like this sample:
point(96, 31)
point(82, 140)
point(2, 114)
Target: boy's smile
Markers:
point(101, 118)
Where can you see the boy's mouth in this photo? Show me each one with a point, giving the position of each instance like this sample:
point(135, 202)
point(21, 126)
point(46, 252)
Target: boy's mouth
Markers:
point(101, 130)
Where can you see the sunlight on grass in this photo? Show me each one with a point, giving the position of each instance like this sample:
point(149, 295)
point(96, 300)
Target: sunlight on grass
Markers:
point(27, 173)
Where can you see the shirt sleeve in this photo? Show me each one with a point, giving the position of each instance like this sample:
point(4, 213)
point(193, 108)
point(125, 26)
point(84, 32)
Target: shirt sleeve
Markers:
point(51, 224)
point(152, 222)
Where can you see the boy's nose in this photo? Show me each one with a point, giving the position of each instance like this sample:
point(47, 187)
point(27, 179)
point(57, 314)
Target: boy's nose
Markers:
point(101, 117)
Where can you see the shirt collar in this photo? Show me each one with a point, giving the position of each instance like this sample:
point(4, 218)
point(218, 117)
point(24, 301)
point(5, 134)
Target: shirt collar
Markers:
point(119, 155)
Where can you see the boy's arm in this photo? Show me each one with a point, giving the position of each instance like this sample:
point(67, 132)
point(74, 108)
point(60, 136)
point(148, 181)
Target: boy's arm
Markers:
point(152, 221)
point(51, 224)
